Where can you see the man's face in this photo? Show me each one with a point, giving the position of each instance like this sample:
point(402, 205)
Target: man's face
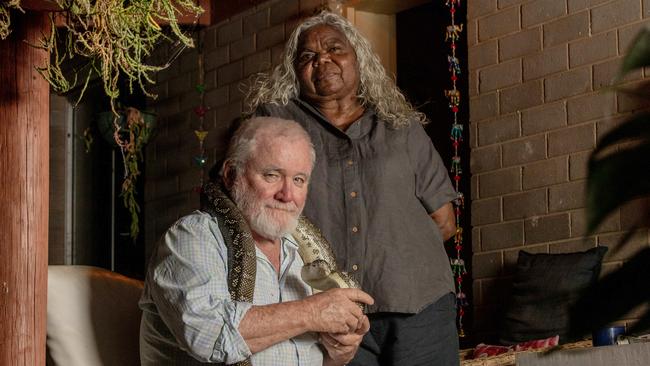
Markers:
point(272, 190)
point(326, 65)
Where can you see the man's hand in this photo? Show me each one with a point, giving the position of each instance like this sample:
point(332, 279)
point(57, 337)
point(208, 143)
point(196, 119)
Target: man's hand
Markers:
point(336, 311)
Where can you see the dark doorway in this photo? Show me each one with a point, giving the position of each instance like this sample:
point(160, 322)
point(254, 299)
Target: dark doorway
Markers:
point(423, 74)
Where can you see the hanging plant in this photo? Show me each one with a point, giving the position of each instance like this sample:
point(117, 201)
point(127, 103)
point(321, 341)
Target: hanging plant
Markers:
point(114, 37)
point(129, 131)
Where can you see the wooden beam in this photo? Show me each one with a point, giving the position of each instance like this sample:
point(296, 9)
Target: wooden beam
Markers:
point(24, 163)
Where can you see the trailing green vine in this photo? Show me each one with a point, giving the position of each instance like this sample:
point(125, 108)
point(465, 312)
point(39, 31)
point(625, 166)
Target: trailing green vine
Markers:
point(115, 37)
point(131, 148)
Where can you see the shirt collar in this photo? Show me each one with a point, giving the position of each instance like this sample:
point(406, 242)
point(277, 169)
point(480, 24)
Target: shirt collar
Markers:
point(357, 129)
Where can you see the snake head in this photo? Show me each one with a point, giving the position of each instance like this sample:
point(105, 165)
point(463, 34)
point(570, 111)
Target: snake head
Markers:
point(315, 270)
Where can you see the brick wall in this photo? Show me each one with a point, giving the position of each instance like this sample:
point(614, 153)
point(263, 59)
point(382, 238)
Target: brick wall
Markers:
point(537, 109)
point(234, 49)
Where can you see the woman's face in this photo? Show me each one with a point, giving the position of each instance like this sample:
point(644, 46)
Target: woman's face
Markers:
point(326, 65)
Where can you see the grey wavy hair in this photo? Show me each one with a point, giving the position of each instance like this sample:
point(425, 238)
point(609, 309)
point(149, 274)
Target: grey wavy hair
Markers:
point(245, 140)
point(376, 88)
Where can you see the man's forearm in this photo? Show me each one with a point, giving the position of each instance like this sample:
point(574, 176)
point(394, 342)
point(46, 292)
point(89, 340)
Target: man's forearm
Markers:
point(266, 325)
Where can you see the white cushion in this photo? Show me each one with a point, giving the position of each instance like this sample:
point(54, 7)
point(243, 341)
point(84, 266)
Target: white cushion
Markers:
point(92, 317)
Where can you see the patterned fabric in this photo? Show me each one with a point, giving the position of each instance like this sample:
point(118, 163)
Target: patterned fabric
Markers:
point(186, 304)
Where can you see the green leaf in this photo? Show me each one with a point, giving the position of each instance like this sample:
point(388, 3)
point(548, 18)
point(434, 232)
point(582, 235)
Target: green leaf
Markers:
point(619, 177)
point(638, 54)
point(637, 127)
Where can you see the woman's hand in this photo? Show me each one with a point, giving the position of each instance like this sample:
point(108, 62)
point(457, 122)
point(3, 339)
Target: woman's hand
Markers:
point(341, 347)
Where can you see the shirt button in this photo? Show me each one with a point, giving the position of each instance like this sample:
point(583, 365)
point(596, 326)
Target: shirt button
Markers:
point(355, 267)
point(350, 162)
point(355, 229)
point(353, 194)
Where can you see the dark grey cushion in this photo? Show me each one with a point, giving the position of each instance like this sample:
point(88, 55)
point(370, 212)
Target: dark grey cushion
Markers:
point(544, 288)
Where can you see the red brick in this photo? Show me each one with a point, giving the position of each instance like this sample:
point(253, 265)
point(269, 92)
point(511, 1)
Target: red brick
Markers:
point(592, 49)
point(501, 236)
point(550, 61)
point(257, 62)
point(216, 58)
point(498, 130)
point(520, 97)
point(577, 5)
point(230, 73)
point(242, 47)
point(544, 118)
point(627, 34)
point(547, 228)
point(579, 223)
point(606, 72)
point(525, 204)
point(486, 265)
point(520, 44)
point(499, 182)
point(614, 14)
point(284, 10)
point(270, 37)
point(502, 4)
point(483, 54)
point(216, 97)
point(635, 213)
point(486, 211)
point(255, 22)
point(603, 127)
point(499, 76)
point(307, 7)
point(499, 24)
point(476, 240)
point(567, 84)
point(590, 107)
point(472, 88)
point(229, 112)
point(566, 29)
point(572, 246)
point(541, 11)
point(472, 32)
point(524, 151)
point(578, 165)
point(545, 173)
point(483, 106)
point(478, 8)
point(571, 140)
point(567, 196)
point(630, 103)
point(230, 32)
point(473, 135)
point(619, 251)
point(485, 159)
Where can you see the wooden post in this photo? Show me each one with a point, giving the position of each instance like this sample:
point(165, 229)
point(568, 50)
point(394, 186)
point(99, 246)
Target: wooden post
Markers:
point(24, 186)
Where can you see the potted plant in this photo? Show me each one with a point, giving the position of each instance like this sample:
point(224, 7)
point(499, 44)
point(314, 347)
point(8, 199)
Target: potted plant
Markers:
point(619, 172)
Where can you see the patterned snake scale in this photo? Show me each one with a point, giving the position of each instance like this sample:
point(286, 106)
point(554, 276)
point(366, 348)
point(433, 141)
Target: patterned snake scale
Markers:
point(319, 271)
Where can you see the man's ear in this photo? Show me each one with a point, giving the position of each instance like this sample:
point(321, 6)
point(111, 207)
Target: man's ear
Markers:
point(229, 174)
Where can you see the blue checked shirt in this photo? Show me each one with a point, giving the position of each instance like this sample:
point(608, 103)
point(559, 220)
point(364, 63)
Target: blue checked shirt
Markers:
point(188, 315)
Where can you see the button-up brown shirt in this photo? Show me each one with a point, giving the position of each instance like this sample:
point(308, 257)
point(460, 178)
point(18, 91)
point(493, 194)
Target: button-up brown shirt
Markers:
point(371, 192)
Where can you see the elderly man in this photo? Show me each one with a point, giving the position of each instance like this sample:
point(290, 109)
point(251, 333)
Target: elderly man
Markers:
point(224, 285)
point(380, 193)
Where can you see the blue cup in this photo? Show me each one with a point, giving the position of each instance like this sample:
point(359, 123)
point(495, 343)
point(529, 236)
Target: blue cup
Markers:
point(607, 336)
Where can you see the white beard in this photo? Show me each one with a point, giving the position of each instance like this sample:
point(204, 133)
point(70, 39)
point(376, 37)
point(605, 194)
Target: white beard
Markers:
point(270, 220)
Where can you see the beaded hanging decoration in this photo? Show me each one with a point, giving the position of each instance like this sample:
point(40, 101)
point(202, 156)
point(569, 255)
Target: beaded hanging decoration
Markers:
point(452, 35)
point(200, 110)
